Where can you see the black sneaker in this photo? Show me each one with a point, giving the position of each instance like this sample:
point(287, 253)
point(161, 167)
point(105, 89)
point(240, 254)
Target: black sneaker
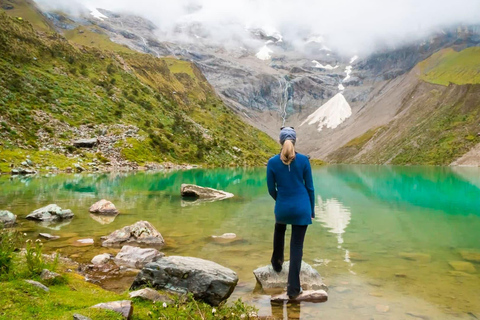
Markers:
point(296, 296)
point(277, 267)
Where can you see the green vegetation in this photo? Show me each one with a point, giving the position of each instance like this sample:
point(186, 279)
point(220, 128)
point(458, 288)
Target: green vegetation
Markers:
point(354, 146)
point(26, 10)
point(449, 66)
point(48, 88)
point(93, 37)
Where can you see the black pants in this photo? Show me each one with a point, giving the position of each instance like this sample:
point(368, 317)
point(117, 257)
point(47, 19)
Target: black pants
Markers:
point(296, 254)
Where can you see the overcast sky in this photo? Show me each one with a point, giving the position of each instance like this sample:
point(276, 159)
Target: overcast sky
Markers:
point(346, 25)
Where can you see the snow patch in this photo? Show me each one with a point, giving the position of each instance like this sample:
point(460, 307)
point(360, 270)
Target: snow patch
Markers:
point(331, 114)
point(264, 53)
point(341, 87)
point(353, 59)
point(321, 66)
point(97, 14)
point(348, 70)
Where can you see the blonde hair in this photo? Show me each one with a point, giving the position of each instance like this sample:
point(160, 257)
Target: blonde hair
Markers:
point(288, 152)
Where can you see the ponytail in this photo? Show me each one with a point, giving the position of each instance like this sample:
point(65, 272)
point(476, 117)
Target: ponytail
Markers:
point(288, 152)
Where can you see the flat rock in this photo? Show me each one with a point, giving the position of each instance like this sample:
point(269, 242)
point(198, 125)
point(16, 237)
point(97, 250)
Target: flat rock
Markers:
point(134, 257)
point(52, 212)
point(206, 280)
point(463, 266)
point(77, 316)
point(194, 191)
point(103, 207)
point(470, 255)
point(48, 275)
point(48, 236)
point(315, 296)
point(85, 143)
point(38, 285)
point(141, 233)
point(101, 258)
point(150, 294)
point(123, 307)
point(103, 219)
point(7, 219)
point(310, 279)
point(415, 256)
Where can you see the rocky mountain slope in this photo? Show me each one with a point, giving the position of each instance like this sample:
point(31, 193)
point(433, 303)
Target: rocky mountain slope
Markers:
point(139, 108)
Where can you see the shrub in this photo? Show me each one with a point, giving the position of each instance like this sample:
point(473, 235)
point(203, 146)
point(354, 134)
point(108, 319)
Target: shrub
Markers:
point(9, 240)
point(35, 260)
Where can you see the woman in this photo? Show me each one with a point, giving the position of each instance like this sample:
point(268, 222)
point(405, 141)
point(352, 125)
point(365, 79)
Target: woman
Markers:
point(289, 180)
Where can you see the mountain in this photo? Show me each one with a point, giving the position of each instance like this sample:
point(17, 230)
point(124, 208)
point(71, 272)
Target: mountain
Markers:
point(141, 108)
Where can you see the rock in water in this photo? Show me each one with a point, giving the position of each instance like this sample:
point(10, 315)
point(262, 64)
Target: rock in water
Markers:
point(141, 233)
point(103, 207)
point(310, 279)
point(197, 192)
point(306, 296)
point(133, 257)
point(206, 280)
point(7, 219)
point(52, 212)
point(150, 294)
point(124, 307)
point(101, 259)
point(48, 236)
point(85, 143)
point(469, 255)
point(463, 266)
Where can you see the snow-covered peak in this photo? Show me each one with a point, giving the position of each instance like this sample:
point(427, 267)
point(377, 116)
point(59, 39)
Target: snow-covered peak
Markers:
point(331, 114)
point(321, 66)
point(97, 14)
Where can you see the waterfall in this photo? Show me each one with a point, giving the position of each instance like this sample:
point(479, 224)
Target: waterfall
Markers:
point(284, 98)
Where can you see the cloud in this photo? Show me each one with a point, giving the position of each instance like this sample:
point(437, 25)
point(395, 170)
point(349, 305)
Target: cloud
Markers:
point(347, 26)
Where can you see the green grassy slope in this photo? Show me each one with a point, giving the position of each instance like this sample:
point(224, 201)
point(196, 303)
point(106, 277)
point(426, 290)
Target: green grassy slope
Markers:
point(48, 85)
point(439, 120)
point(26, 10)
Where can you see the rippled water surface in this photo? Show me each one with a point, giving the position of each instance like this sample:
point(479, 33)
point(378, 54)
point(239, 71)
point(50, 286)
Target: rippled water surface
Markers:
point(371, 222)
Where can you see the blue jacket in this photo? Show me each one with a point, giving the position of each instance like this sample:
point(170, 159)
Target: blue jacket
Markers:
point(292, 189)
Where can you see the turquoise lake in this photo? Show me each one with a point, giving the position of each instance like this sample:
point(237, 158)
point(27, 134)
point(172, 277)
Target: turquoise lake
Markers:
point(383, 238)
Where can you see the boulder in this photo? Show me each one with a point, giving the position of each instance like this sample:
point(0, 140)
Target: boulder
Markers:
point(52, 212)
point(103, 207)
point(306, 296)
point(48, 275)
point(48, 236)
point(141, 233)
point(7, 219)
point(463, 266)
point(206, 280)
point(150, 294)
point(38, 285)
point(310, 279)
point(134, 257)
point(123, 307)
point(103, 219)
point(85, 143)
point(101, 258)
point(197, 192)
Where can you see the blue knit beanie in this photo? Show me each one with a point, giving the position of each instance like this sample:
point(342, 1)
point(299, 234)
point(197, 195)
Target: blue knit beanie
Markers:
point(287, 133)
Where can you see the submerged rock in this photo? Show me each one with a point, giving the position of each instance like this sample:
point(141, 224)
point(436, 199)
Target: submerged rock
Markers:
point(123, 307)
point(141, 233)
point(84, 242)
point(48, 236)
point(150, 294)
point(38, 285)
point(268, 278)
point(206, 280)
point(470, 255)
point(103, 207)
point(134, 257)
point(415, 256)
point(463, 266)
point(7, 219)
point(306, 296)
point(197, 192)
point(52, 212)
point(101, 258)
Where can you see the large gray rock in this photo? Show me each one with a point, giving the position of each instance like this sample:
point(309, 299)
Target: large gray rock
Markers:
point(101, 259)
point(38, 285)
point(52, 212)
point(103, 207)
point(85, 143)
point(123, 307)
point(150, 294)
point(134, 257)
point(7, 219)
point(206, 280)
point(193, 191)
point(310, 279)
point(141, 233)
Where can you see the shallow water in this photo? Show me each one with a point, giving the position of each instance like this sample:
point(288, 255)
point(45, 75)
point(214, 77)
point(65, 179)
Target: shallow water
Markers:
point(368, 217)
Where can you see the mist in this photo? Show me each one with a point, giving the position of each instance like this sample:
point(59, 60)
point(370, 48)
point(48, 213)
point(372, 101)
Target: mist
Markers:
point(346, 26)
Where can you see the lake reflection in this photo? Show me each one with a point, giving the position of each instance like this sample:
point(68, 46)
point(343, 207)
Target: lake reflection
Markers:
point(368, 218)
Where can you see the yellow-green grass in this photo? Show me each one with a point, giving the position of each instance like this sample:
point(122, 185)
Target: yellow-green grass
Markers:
point(26, 10)
point(449, 66)
point(85, 36)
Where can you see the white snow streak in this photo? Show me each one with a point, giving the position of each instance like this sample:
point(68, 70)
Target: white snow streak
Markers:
point(264, 53)
point(348, 70)
point(331, 114)
point(96, 14)
point(321, 66)
point(353, 59)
